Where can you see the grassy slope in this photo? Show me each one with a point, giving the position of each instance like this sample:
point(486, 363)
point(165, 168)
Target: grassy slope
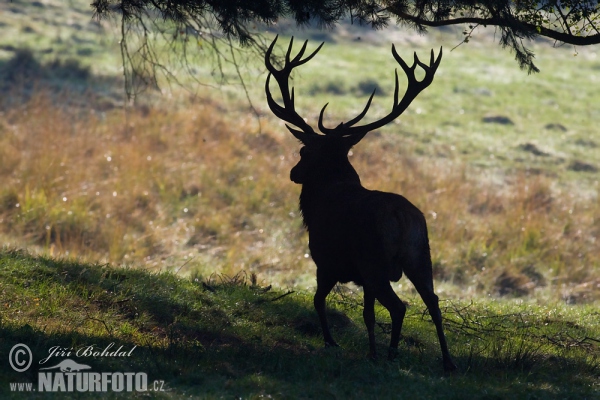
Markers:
point(60, 29)
point(229, 337)
point(189, 188)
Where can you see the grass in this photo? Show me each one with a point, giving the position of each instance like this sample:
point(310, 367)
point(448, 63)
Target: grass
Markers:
point(55, 29)
point(549, 110)
point(184, 188)
point(213, 337)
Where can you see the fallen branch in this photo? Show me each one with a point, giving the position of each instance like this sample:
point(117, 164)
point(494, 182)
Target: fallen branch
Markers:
point(282, 296)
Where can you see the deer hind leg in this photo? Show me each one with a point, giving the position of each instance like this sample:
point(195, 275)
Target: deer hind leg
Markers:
point(423, 282)
point(324, 286)
point(388, 298)
point(369, 317)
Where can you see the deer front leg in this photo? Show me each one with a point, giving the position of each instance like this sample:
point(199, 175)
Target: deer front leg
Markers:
point(324, 286)
point(369, 317)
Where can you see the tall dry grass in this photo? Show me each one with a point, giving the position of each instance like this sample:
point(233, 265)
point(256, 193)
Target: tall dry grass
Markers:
point(196, 188)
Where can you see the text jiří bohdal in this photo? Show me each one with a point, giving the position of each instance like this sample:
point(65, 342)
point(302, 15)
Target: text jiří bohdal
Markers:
point(92, 350)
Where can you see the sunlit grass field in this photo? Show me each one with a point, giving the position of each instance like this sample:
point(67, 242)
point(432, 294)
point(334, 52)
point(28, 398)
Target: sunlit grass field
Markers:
point(226, 337)
point(188, 189)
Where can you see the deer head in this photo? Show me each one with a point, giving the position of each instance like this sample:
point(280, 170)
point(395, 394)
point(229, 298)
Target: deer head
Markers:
point(325, 156)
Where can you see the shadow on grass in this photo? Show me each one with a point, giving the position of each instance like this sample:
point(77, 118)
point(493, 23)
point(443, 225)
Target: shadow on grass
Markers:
point(23, 75)
point(233, 338)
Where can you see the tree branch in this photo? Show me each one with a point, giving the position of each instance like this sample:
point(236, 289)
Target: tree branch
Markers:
point(501, 22)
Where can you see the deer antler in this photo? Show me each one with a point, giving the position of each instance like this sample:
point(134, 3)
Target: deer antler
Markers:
point(412, 91)
point(287, 112)
point(352, 133)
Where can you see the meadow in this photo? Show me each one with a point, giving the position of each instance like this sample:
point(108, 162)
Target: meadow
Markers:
point(232, 337)
point(193, 185)
point(188, 188)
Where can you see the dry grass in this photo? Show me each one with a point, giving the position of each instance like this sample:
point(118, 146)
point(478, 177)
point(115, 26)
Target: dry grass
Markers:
point(196, 188)
point(498, 235)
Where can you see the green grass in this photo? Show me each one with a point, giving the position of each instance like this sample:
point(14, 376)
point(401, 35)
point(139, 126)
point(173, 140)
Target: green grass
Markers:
point(213, 337)
point(551, 110)
point(60, 29)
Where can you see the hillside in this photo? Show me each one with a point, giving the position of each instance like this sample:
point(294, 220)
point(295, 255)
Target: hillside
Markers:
point(233, 337)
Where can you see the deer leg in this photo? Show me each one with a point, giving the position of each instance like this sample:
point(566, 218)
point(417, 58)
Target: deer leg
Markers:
point(369, 317)
point(431, 301)
point(388, 298)
point(324, 286)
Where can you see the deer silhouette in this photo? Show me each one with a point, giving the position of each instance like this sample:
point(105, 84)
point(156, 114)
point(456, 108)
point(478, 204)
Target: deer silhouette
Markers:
point(355, 234)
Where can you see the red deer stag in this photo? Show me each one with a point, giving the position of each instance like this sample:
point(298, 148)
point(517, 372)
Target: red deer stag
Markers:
point(355, 234)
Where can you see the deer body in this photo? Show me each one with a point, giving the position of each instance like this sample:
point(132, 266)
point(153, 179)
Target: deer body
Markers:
point(343, 219)
point(372, 228)
point(355, 234)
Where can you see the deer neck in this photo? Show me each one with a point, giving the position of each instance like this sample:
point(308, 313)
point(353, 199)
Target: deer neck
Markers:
point(325, 191)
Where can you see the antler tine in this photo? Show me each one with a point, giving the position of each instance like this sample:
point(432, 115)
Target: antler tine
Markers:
point(300, 53)
point(281, 111)
point(339, 130)
point(363, 113)
point(278, 110)
point(290, 63)
point(268, 53)
point(407, 70)
point(439, 58)
point(307, 59)
point(396, 87)
point(421, 64)
point(322, 128)
point(417, 61)
point(289, 52)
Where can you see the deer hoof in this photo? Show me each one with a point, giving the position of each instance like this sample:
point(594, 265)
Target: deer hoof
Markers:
point(449, 366)
point(392, 354)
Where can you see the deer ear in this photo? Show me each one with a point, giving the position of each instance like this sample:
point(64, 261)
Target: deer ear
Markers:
point(302, 136)
point(351, 140)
